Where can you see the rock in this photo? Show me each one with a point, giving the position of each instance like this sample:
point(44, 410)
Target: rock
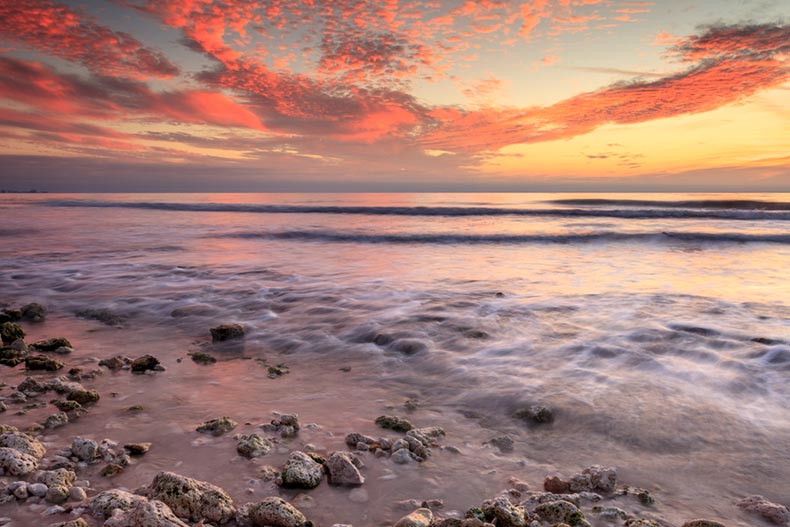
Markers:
point(56, 420)
point(9, 332)
point(536, 414)
point(57, 494)
point(276, 512)
point(301, 471)
point(227, 332)
point(457, 522)
point(773, 512)
point(10, 315)
point(144, 364)
point(394, 423)
point(69, 406)
point(42, 362)
point(52, 344)
point(16, 463)
point(111, 470)
point(703, 523)
point(84, 449)
point(555, 485)
point(105, 316)
point(503, 443)
point(23, 443)
point(11, 356)
point(253, 445)
point(402, 456)
point(31, 387)
point(342, 470)
point(104, 503)
point(559, 511)
point(145, 514)
point(137, 449)
point(353, 439)
point(38, 490)
point(79, 522)
point(83, 396)
point(218, 426)
point(418, 518)
point(77, 494)
point(18, 489)
point(203, 358)
point(115, 363)
point(59, 477)
point(34, 312)
point(594, 478)
point(504, 513)
point(635, 522)
point(192, 499)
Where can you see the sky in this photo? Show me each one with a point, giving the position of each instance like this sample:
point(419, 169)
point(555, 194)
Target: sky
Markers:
point(401, 95)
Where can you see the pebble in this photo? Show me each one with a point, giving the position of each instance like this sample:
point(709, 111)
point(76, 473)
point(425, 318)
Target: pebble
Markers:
point(77, 494)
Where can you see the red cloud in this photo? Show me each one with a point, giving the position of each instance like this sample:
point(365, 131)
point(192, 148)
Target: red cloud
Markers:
point(58, 30)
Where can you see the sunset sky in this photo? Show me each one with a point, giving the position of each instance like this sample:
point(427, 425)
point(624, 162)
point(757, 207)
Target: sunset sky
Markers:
point(193, 95)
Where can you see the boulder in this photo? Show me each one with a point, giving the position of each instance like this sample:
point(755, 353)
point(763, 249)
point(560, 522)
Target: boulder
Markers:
point(301, 471)
point(275, 512)
point(192, 499)
point(342, 470)
point(16, 463)
point(145, 514)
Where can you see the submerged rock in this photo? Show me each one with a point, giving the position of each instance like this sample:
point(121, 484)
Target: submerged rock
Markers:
point(253, 445)
point(16, 463)
point(503, 443)
point(23, 443)
point(218, 426)
point(192, 499)
point(145, 514)
point(225, 332)
point(301, 471)
point(115, 363)
point(394, 423)
point(10, 331)
point(773, 512)
point(53, 344)
point(34, 312)
point(419, 518)
point(275, 512)
point(342, 470)
point(42, 362)
point(144, 364)
point(536, 414)
point(203, 358)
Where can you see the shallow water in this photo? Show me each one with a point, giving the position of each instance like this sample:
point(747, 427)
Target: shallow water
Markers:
point(635, 321)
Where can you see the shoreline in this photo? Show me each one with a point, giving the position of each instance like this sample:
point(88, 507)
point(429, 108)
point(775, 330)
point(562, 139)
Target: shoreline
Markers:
point(588, 497)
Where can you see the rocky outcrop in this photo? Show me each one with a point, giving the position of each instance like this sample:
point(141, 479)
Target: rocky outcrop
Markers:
point(192, 499)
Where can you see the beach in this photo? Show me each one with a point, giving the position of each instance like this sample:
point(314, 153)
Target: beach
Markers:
point(542, 333)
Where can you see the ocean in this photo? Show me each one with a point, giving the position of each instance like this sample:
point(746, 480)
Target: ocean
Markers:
point(656, 327)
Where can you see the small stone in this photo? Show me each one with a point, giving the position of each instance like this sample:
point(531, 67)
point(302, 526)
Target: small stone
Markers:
point(137, 449)
point(144, 364)
point(19, 490)
point(38, 490)
point(395, 423)
point(111, 470)
point(419, 518)
point(203, 358)
point(57, 494)
point(218, 426)
point(227, 332)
